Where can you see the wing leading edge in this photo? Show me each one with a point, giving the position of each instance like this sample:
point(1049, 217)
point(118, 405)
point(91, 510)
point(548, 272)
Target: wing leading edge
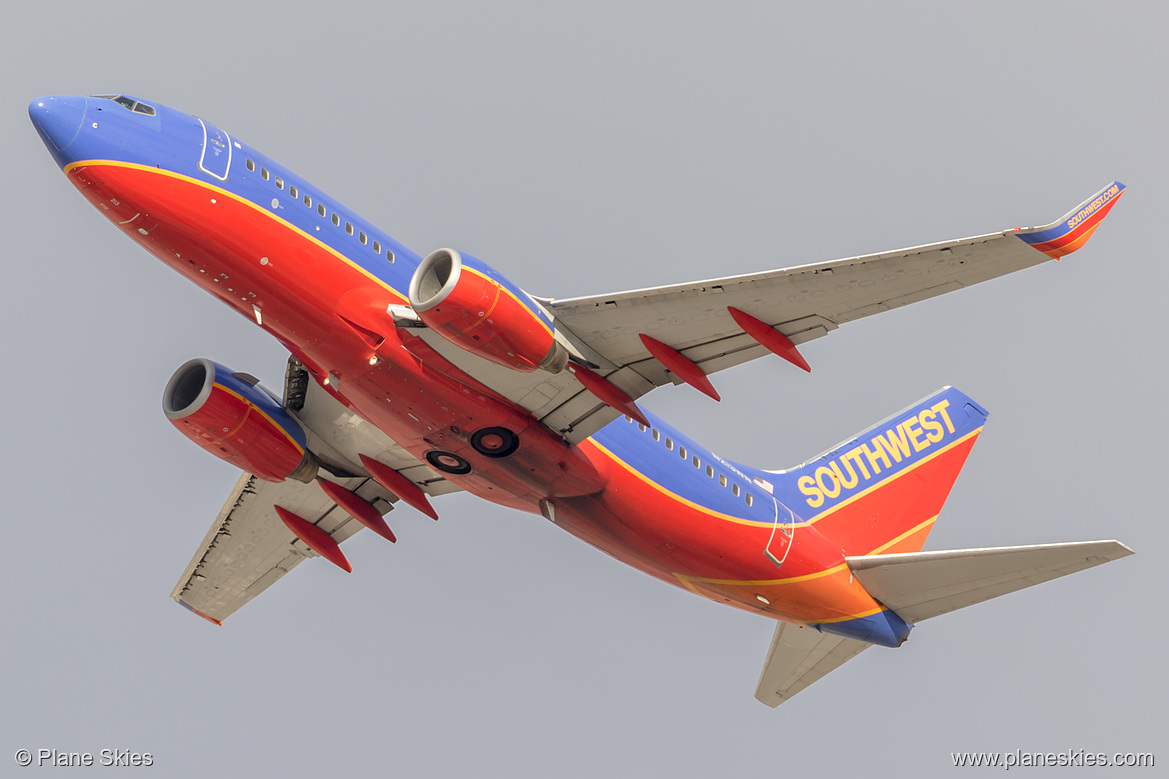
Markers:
point(807, 301)
point(799, 303)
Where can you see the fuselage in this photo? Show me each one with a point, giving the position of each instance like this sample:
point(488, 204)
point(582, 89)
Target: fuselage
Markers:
point(297, 263)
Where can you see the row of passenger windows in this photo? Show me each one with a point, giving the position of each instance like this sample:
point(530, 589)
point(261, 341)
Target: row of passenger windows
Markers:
point(334, 217)
point(695, 461)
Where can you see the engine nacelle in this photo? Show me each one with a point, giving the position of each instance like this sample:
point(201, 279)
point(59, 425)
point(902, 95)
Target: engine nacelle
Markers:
point(474, 307)
point(234, 418)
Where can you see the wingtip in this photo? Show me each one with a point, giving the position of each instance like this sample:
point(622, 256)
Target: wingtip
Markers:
point(198, 613)
point(1123, 549)
point(1073, 229)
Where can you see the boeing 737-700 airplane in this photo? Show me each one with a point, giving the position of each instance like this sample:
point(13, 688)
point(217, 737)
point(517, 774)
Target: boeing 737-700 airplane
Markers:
point(410, 377)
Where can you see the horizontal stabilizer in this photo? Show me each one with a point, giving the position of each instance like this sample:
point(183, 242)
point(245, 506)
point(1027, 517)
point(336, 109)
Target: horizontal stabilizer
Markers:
point(799, 656)
point(921, 585)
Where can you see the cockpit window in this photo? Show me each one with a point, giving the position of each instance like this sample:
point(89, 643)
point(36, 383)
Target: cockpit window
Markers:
point(130, 104)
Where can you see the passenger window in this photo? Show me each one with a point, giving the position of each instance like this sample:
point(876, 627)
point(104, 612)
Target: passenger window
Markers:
point(656, 435)
point(750, 500)
point(389, 255)
point(696, 461)
point(336, 220)
point(251, 165)
point(292, 191)
point(722, 480)
point(642, 427)
point(682, 452)
point(279, 183)
point(321, 209)
point(735, 490)
point(670, 443)
point(264, 173)
point(308, 201)
point(361, 237)
point(349, 227)
point(710, 471)
point(377, 248)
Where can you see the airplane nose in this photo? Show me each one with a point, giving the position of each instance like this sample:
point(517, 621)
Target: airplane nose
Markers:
point(58, 119)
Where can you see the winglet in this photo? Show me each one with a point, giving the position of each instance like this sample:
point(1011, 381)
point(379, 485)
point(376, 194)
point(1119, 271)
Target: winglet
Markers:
point(198, 613)
point(1073, 230)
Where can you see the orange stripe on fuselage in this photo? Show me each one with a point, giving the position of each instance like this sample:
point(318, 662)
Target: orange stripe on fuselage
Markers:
point(721, 557)
point(712, 554)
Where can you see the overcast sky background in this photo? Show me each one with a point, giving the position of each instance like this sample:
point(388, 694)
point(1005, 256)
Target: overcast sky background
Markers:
point(584, 149)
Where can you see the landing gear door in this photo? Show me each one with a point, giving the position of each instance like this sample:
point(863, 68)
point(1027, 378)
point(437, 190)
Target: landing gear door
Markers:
point(215, 157)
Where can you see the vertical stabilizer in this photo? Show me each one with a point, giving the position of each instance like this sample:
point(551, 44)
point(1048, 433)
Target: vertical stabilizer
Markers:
point(881, 491)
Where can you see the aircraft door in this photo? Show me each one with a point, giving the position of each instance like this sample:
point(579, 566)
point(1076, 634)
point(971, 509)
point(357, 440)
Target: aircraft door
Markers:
point(777, 549)
point(215, 156)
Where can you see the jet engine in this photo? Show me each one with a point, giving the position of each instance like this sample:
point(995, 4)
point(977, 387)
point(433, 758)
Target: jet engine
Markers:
point(234, 418)
point(474, 307)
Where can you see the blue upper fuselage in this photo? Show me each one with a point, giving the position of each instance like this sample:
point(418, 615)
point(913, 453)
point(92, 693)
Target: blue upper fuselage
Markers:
point(126, 129)
point(76, 129)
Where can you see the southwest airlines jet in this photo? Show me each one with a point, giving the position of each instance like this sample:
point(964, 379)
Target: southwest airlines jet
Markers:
point(410, 377)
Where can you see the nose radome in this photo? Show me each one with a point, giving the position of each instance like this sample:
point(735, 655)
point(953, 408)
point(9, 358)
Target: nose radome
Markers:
point(58, 119)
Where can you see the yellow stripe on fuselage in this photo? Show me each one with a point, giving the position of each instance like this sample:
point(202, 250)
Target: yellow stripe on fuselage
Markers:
point(764, 523)
point(675, 496)
point(766, 582)
point(242, 200)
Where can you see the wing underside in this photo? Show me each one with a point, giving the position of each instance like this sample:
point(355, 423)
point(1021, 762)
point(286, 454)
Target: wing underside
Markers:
point(248, 548)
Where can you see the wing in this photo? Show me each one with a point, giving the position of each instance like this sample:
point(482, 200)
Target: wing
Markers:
point(801, 303)
point(798, 656)
point(248, 547)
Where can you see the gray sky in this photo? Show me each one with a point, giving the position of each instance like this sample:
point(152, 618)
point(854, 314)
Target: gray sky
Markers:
point(580, 151)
